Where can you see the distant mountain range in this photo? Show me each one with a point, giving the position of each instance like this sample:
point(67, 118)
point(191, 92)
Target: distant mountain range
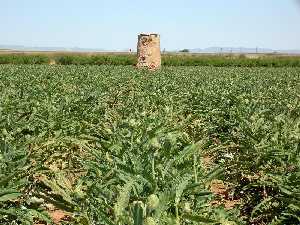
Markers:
point(194, 50)
point(242, 50)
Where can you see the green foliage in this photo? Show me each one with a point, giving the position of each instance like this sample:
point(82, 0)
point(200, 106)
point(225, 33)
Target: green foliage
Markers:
point(230, 60)
point(96, 60)
point(116, 145)
point(14, 206)
point(24, 59)
point(167, 60)
point(185, 60)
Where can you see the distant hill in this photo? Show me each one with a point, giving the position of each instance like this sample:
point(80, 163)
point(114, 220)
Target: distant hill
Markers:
point(241, 50)
point(194, 50)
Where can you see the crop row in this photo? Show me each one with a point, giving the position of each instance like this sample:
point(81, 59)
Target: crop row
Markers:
point(167, 60)
point(113, 145)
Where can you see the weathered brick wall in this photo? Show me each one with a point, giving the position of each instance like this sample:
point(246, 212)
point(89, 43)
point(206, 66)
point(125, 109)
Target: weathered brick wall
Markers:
point(148, 51)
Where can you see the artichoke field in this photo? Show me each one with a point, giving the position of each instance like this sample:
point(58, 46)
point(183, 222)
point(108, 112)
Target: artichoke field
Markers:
point(113, 145)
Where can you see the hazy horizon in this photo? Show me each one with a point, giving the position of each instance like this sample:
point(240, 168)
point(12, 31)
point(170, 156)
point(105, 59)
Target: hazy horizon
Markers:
point(234, 49)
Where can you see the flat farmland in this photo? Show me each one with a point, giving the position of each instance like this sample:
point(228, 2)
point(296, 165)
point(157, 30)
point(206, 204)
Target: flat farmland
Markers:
point(128, 59)
point(183, 145)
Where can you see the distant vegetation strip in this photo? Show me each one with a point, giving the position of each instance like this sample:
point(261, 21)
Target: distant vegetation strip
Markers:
point(167, 60)
point(24, 59)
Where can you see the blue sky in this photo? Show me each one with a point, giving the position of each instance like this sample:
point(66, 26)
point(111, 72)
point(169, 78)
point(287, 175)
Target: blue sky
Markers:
point(114, 24)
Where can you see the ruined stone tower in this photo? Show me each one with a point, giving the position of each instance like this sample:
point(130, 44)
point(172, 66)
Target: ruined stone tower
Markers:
point(148, 51)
